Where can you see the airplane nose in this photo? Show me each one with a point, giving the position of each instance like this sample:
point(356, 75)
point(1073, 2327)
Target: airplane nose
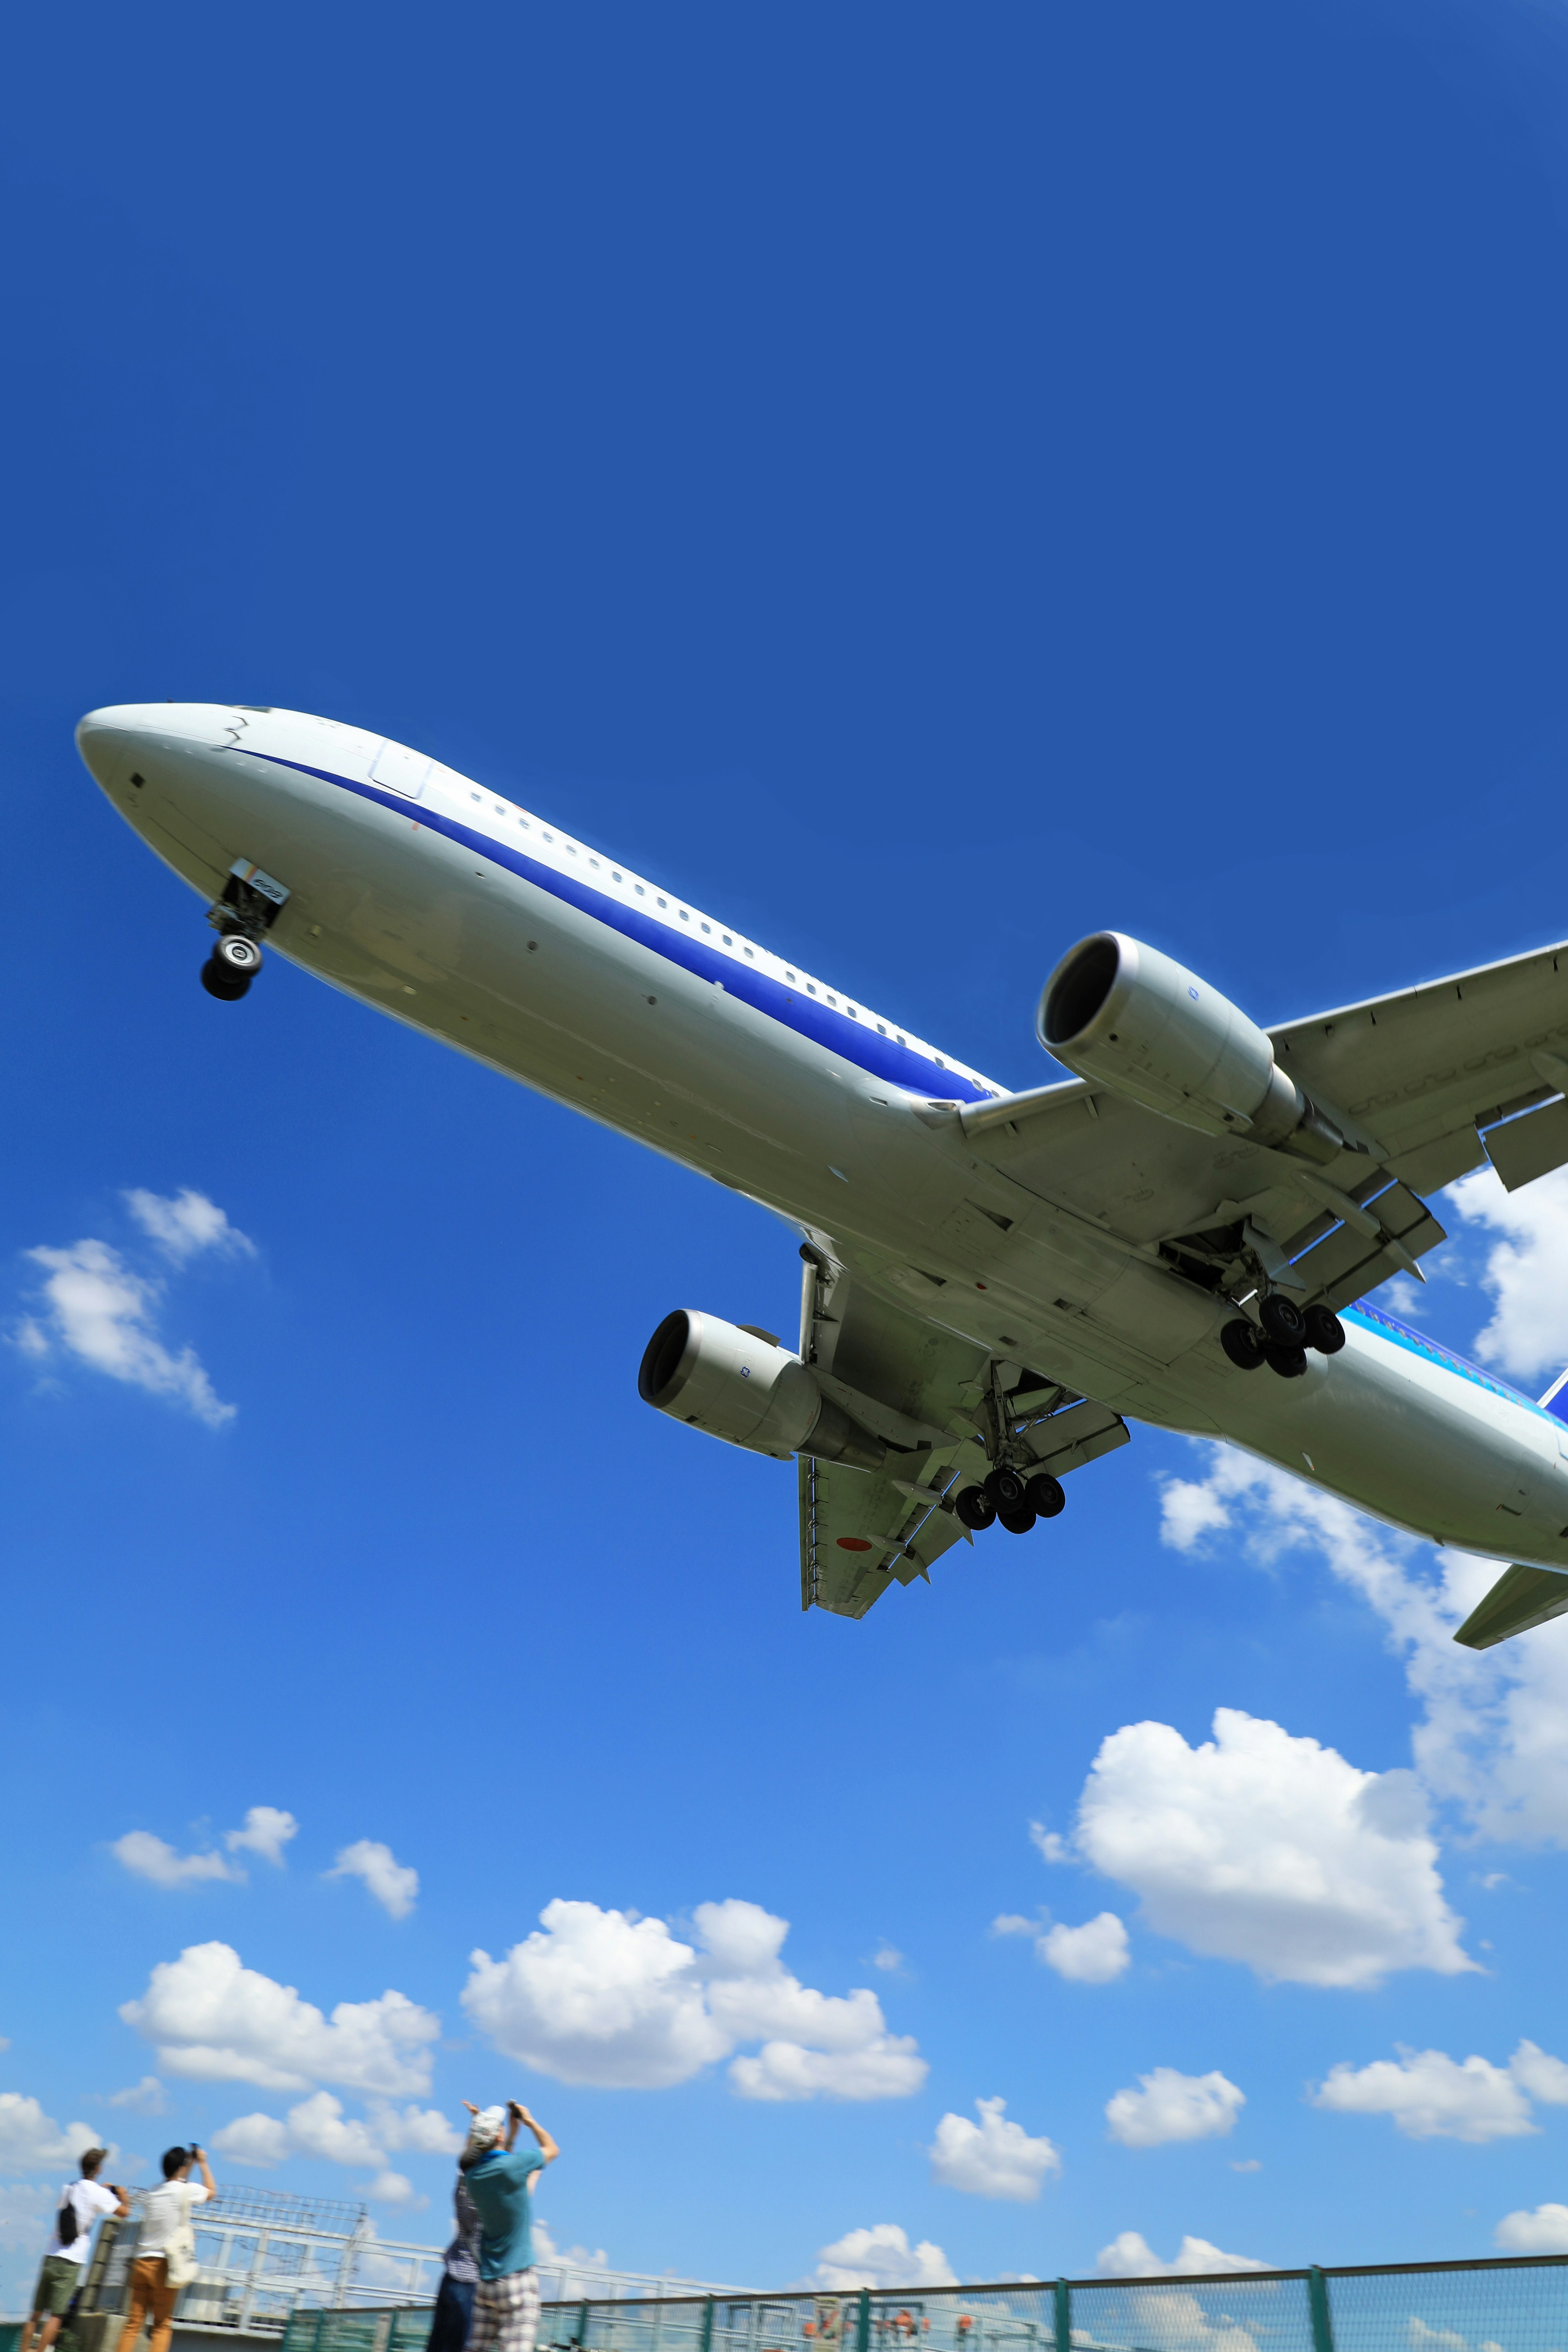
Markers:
point(108, 737)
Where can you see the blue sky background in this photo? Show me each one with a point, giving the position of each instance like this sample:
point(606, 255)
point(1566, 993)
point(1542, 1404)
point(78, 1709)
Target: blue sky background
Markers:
point(931, 482)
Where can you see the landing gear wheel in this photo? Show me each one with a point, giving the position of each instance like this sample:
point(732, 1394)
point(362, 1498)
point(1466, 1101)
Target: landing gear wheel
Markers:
point(1016, 1522)
point(1282, 1320)
point(1005, 1488)
point(1324, 1330)
point(1242, 1343)
point(1045, 1494)
point(1291, 1363)
point(237, 955)
point(218, 982)
point(973, 1508)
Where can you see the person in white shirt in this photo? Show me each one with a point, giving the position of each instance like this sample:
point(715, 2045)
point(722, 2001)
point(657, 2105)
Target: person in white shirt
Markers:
point(165, 2214)
point(82, 2200)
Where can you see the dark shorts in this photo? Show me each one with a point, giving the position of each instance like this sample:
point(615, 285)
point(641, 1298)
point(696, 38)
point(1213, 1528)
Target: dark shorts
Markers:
point(58, 2282)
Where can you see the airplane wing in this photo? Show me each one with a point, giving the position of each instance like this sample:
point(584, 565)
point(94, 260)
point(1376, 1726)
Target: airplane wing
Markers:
point(920, 1389)
point(1522, 1598)
point(1430, 1083)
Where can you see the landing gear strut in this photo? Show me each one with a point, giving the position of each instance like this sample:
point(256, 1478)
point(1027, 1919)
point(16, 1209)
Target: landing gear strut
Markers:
point(1008, 1497)
point(1286, 1334)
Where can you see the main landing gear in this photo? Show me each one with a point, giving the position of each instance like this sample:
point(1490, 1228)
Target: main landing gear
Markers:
point(1010, 1500)
point(1281, 1336)
point(231, 967)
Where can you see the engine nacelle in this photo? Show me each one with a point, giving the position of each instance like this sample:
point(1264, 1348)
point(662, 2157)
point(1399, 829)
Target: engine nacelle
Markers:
point(748, 1391)
point(1125, 1016)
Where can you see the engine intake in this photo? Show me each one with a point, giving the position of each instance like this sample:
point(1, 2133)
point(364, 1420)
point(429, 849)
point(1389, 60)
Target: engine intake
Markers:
point(749, 1391)
point(1127, 1017)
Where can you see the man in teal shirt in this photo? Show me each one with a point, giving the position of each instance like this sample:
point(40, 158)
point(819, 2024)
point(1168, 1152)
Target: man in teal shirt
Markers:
point(498, 2179)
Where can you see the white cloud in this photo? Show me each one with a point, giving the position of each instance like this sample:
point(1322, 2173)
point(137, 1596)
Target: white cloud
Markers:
point(148, 2096)
point(186, 1225)
point(1048, 1844)
point(151, 1857)
point(1526, 1271)
point(1173, 2106)
point(214, 2021)
point(1492, 1740)
point(607, 1997)
point(1430, 2096)
point(318, 2127)
point(1259, 1847)
point(1542, 2232)
point(888, 1957)
point(1012, 1923)
point(31, 2141)
point(1094, 1953)
point(96, 1309)
point(1130, 2255)
point(883, 2257)
point(993, 2157)
point(393, 2188)
point(266, 1832)
point(395, 1885)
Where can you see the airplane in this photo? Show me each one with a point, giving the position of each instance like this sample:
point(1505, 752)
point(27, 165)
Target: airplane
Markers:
point(1181, 1233)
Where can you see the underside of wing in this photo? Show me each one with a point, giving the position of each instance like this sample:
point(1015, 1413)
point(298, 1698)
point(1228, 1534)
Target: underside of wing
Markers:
point(1522, 1598)
point(927, 1394)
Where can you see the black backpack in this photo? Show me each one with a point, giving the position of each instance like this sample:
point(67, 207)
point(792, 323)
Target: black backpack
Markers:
point(68, 2223)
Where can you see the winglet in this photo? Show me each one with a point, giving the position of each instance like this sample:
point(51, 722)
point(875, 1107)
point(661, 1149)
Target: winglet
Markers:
point(1522, 1598)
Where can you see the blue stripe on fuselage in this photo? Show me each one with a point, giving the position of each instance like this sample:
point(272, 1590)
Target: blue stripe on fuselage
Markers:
point(881, 1057)
point(1416, 1343)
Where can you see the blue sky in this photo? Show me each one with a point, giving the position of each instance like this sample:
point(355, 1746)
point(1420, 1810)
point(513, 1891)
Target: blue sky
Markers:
point(931, 483)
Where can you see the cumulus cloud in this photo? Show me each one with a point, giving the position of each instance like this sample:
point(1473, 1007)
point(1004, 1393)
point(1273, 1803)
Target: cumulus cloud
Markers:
point(610, 1999)
point(1094, 1953)
point(31, 2141)
point(393, 1884)
point(1169, 2105)
point(214, 2020)
point(1130, 2255)
point(1271, 1849)
point(153, 1858)
point(1542, 2232)
point(318, 2126)
point(993, 2157)
point(881, 2256)
point(1526, 1270)
point(1430, 2096)
point(1492, 1738)
point(267, 1832)
point(148, 2096)
point(93, 1307)
point(187, 1224)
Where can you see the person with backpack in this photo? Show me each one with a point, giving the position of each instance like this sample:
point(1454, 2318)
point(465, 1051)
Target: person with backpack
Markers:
point(65, 2265)
point(166, 2258)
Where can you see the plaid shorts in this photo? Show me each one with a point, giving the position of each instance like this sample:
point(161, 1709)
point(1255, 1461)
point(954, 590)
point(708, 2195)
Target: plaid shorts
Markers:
point(506, 2314)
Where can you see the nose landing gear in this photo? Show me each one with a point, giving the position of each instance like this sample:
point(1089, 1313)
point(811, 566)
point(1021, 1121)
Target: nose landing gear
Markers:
point(231, 967)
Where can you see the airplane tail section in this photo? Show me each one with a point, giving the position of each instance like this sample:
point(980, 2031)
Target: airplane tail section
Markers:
point(1520, 1598)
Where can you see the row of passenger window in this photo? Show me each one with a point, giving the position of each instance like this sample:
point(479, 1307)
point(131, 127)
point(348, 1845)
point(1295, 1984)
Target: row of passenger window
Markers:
point(811, 990)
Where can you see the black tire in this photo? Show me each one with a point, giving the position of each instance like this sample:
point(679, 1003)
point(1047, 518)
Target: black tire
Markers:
point(1325, 1332)
point(1016, 1522)
point(1282, 1320)
point(227, 987)
point(237, 955)
point(973, 1508)
point(1242, 1343)
point(1005, 1488)
point(1291, 1363)
point(1045, 1494)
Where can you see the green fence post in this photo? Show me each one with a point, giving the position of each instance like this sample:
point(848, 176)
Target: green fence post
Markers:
point(581, 2335)
point(863, 2322)
point(1062, 2296)
point(1318, 2306)
point(706, 2341)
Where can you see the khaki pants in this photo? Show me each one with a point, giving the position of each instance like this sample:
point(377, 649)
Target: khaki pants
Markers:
point(151, 2296)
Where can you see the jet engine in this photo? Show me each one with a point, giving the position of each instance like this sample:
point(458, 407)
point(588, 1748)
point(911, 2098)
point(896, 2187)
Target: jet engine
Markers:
point(1125, 1016)
point(746, 1389)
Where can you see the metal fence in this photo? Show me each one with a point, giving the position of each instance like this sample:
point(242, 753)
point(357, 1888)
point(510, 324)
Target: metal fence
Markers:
point(1504, 2305)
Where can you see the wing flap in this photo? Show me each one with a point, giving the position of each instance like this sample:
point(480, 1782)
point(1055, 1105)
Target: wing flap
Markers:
point(1522, 1598)
point(1346, 1264)
point(1530, 1147)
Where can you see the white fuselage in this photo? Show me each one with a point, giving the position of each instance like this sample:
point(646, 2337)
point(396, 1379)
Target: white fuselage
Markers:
point(471, 919)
